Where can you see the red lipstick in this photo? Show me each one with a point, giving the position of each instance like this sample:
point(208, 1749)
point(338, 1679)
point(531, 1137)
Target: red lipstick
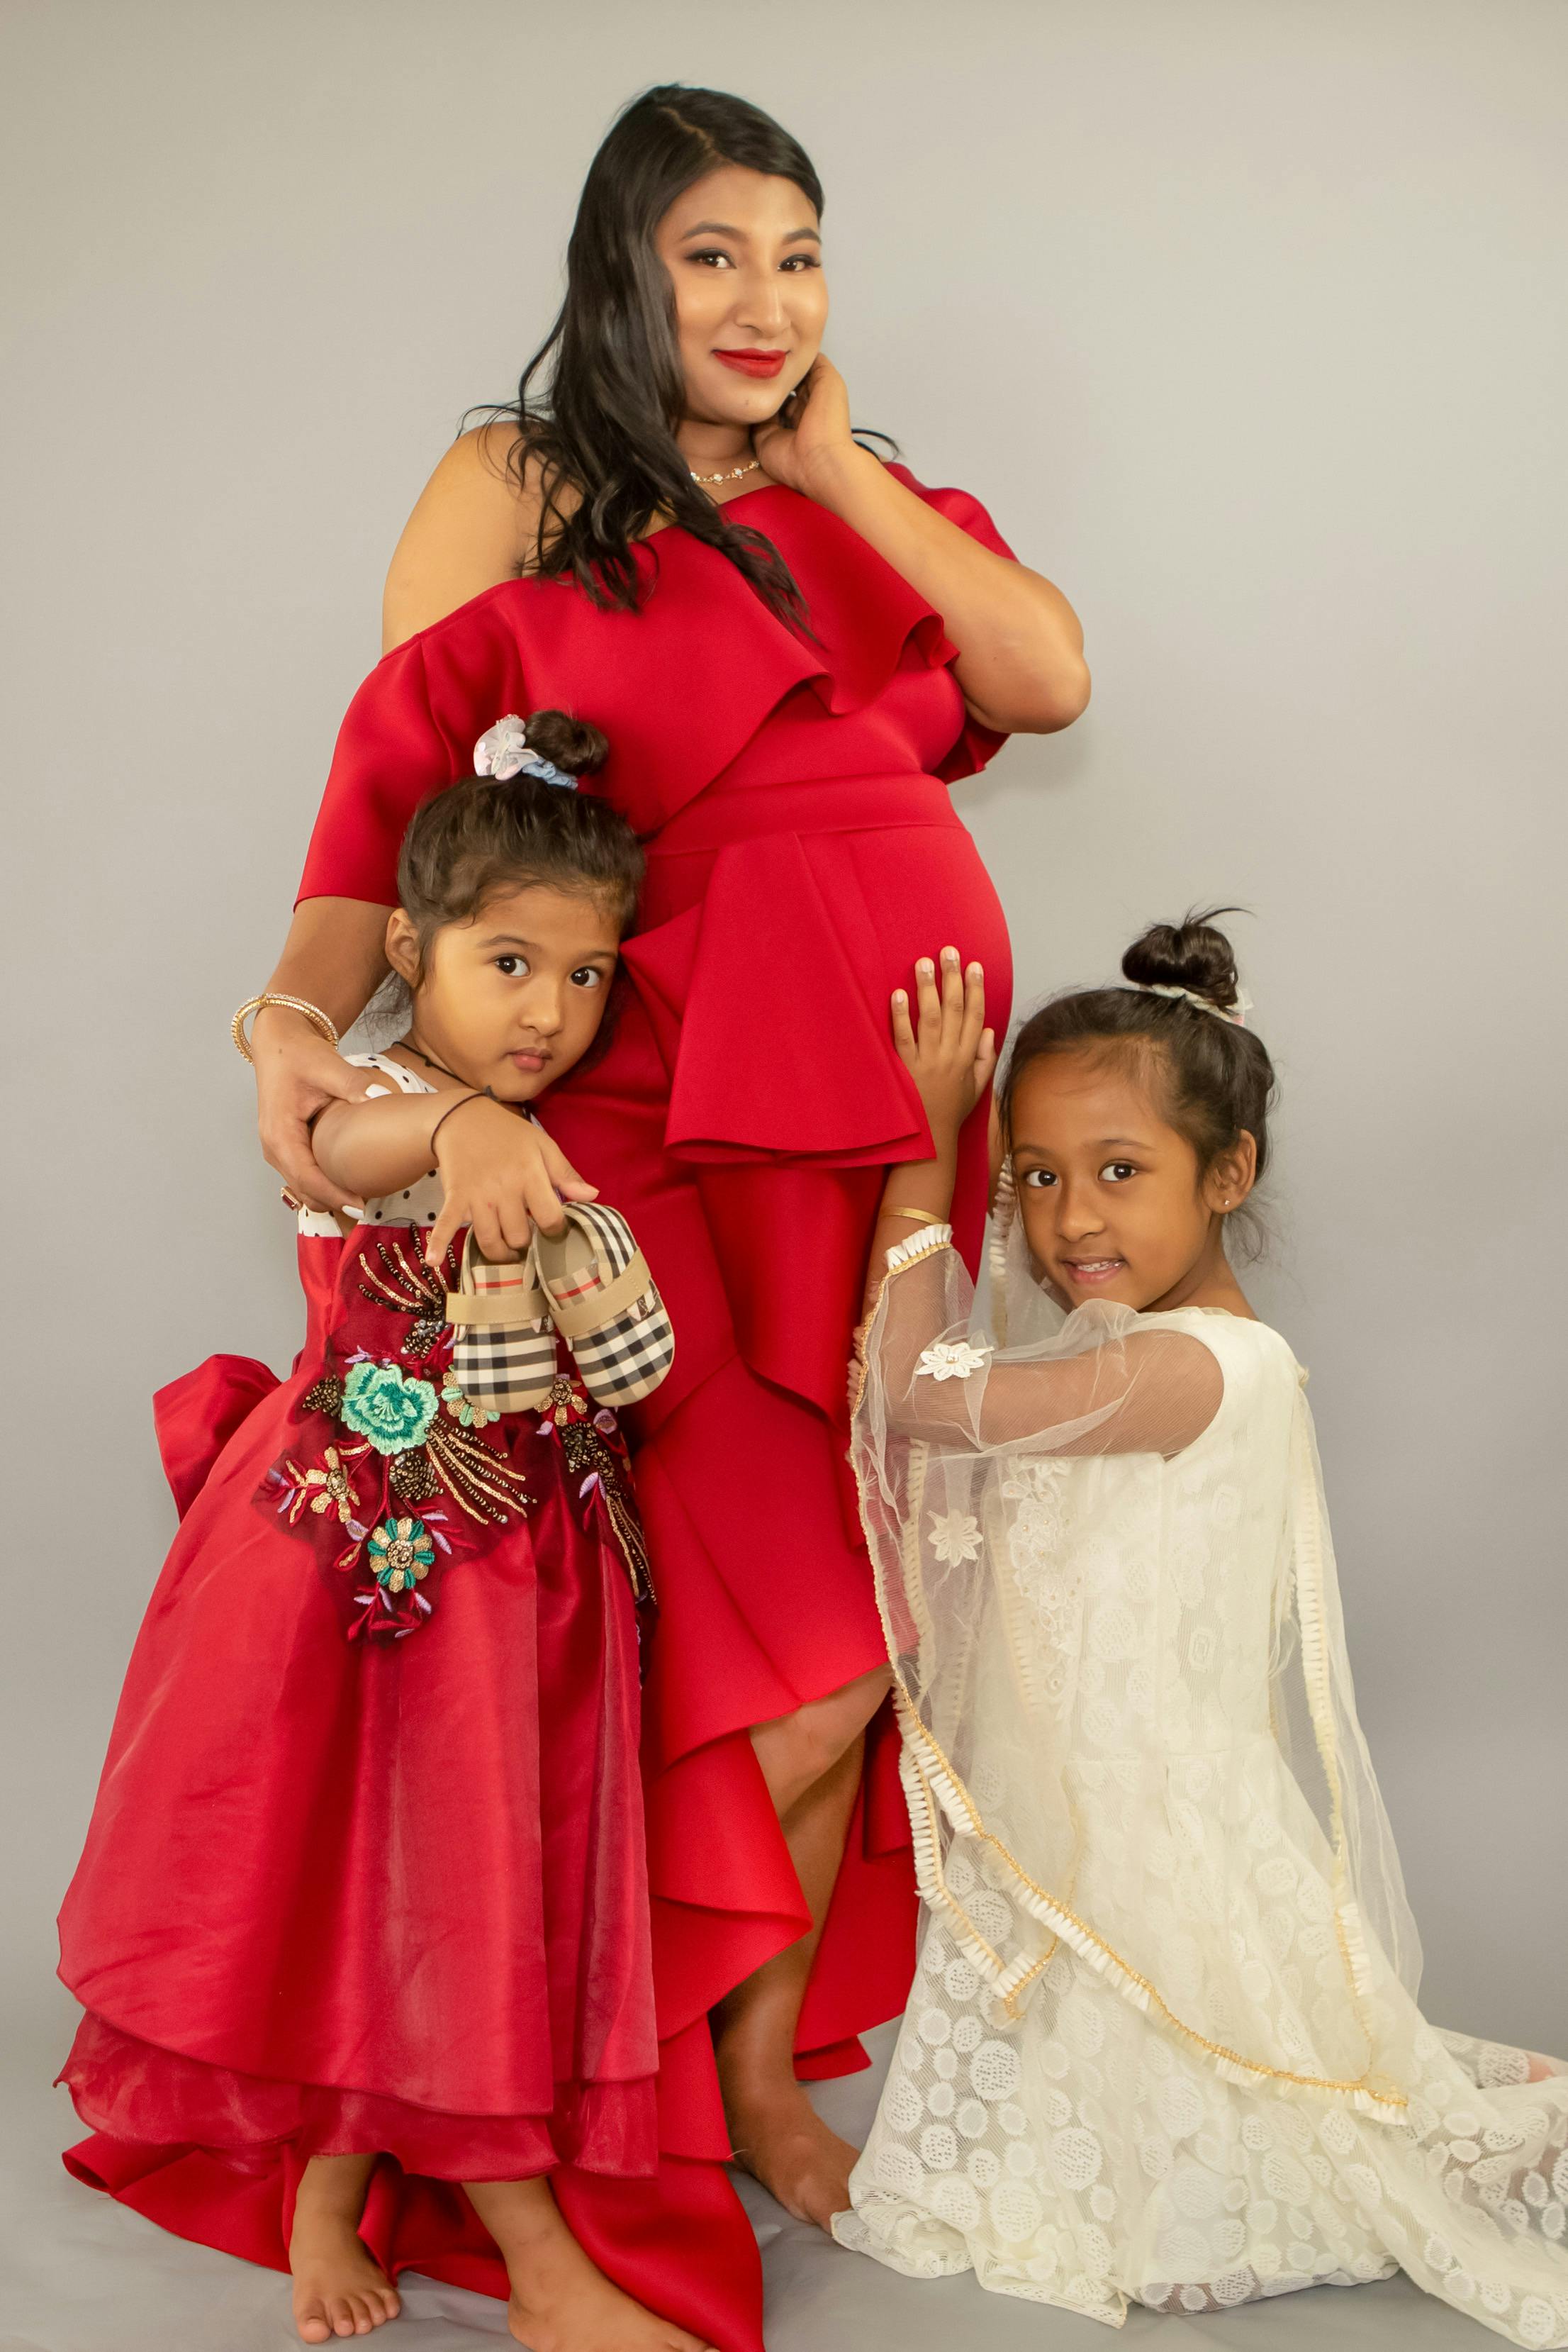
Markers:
point(755, 364)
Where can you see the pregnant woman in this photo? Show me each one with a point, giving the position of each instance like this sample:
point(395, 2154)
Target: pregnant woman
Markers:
point(793, 648)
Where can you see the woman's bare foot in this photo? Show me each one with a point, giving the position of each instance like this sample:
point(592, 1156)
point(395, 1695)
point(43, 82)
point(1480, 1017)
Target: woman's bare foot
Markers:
point(339, 2289)
point(782, 2141)
point(560, 2301)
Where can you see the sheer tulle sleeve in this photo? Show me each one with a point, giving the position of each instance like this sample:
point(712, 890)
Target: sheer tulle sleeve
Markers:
point(1101, 1385)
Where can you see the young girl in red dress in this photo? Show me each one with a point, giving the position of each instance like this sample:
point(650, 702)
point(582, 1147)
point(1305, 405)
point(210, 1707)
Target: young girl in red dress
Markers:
point(361, 1925)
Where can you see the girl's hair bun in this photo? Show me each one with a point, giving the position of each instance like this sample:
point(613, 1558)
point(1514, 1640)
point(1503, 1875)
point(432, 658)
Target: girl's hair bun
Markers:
point(1189, 954)
point(570, 744)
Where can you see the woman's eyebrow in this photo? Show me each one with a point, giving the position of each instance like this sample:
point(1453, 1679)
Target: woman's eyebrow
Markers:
point(727, 228)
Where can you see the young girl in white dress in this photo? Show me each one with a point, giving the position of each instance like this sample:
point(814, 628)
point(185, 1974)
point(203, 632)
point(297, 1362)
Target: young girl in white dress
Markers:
point(1164, 2045)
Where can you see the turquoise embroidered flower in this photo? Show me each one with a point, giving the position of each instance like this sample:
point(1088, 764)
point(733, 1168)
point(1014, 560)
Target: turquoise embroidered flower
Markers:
point(385, 1405)
point(463, 1408)
point(400, 1554)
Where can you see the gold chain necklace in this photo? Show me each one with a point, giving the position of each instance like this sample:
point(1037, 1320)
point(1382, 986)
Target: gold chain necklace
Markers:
point(733, 474)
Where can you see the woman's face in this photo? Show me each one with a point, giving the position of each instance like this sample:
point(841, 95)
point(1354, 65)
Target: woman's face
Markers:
point(746, 260)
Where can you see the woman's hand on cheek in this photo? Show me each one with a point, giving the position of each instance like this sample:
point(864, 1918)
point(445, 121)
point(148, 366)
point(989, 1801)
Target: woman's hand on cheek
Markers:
point(810, 437)
point(946, 1047)
point(503, 1176)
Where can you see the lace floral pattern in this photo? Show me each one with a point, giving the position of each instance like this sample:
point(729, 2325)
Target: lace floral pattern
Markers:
point(1163, 2046)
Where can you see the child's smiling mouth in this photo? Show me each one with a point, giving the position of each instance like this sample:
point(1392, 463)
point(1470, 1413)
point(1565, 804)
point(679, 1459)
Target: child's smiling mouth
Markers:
point(1084, 1271)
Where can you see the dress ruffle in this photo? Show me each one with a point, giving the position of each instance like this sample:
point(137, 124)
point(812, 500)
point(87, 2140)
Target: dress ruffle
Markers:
point(534, 644)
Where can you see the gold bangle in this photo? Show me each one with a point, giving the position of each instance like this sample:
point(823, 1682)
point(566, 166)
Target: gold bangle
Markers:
point(312, 1013)
point(920, 1216)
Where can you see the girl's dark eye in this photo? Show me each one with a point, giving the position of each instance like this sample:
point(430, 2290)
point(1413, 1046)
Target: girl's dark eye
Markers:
point(511, 965)
point(1036, 1178)
point(1118, 1170)
point(588, 975)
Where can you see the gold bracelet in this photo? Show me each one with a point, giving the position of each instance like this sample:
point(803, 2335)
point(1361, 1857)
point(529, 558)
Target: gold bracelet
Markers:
point(920, 1216)
point(312, 1013)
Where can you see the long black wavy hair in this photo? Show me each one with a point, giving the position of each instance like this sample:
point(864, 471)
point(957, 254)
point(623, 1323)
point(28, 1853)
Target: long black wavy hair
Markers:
point(598, 402)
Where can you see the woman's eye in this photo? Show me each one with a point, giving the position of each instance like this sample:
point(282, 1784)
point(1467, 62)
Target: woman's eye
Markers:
point(712, 258)
point(512, 966)
point(1038, 1178)
point(804, 261)
point(588, 975)
point(1118, 1170)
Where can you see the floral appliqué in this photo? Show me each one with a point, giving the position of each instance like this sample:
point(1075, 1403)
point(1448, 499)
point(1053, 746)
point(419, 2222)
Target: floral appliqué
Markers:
point(953, 1360)
point(387, 1406)
point(400, 1553)
point(596, 1457)
point(955, 1537)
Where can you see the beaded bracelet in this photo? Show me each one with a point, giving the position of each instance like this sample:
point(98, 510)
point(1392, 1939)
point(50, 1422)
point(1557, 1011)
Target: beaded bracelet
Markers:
point(312, 1013)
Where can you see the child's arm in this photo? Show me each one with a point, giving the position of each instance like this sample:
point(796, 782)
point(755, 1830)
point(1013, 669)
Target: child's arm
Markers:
point(382, 1145)
point(1137, 1392)
point(952, 1057)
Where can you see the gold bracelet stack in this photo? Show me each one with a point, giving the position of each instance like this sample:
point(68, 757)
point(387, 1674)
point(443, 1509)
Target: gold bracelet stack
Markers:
point(312, 1013)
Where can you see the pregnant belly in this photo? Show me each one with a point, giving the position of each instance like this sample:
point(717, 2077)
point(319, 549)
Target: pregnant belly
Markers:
point(776, 926)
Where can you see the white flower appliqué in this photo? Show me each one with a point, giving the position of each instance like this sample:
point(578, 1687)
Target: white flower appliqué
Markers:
point(952, 1359)
point(955, 1537)
point(503, 749)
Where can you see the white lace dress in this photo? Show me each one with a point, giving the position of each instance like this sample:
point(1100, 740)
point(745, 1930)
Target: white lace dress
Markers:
point(1163, 2043)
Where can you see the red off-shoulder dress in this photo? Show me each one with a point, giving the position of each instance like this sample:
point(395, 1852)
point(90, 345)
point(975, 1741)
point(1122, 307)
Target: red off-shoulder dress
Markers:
point(791, 791)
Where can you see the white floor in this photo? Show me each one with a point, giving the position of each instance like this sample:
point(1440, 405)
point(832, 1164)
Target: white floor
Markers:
point(80, 2274)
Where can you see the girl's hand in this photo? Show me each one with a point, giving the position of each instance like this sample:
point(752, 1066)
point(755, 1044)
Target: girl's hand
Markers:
point(502, 1175)
point(950, 1054)
point(297, 1075)
point(809, 437)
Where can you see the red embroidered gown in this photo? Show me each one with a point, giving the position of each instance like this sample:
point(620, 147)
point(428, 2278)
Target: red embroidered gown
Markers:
point(366, 1870)
point(791, 791)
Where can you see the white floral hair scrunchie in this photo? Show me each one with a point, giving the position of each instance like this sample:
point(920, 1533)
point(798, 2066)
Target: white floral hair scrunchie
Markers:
point(502, 751)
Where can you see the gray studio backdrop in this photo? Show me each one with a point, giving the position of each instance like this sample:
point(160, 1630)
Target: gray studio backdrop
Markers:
point(1244, 317)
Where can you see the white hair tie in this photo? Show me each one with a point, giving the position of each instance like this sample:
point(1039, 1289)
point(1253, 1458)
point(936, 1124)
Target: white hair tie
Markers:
point(502, 751)
point(1235, 1013)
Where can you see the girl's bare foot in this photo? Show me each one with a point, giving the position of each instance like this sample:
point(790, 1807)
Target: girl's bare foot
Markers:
point(339, 2289)
point(560, 2301)
point(782, 2141)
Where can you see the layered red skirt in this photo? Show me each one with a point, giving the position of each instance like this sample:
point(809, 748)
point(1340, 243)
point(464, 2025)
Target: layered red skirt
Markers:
point(366, 1867)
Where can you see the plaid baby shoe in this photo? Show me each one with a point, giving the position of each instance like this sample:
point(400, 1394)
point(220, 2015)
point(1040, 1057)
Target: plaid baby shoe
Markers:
point(504, 1353)
point(602, 1301)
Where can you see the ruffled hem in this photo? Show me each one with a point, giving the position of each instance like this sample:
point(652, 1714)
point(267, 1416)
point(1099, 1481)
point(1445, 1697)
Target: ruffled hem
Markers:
point(681, 2245)
point(132, 2090)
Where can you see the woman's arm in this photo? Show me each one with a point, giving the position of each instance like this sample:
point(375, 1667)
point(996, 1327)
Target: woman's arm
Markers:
point(1020, 648)
point(334, 959)
point(473, 526)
